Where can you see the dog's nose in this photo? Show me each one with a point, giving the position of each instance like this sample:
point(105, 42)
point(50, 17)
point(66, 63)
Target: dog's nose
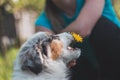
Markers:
point(69, 36)
point(66, 36)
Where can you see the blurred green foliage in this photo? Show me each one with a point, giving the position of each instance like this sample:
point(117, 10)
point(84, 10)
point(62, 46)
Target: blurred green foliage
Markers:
point(29, 4)
point(6, 64)
point(116, 4)
point(14, 5)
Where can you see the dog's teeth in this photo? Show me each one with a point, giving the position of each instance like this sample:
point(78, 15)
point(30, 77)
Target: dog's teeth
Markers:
point(70, 48)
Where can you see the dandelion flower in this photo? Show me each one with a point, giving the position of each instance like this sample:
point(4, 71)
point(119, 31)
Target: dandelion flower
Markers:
point(77, 37)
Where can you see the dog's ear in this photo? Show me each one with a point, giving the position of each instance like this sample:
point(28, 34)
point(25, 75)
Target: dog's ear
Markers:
point(30, 60)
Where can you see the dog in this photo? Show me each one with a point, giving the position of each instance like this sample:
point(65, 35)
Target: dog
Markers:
point(45, 57)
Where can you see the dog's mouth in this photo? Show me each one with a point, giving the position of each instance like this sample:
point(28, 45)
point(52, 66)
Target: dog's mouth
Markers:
point(71, 48)
point(73, 52)
point(73, 45)
point(68, 40)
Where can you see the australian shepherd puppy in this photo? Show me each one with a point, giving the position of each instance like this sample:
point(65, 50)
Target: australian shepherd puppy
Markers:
point(45, 57)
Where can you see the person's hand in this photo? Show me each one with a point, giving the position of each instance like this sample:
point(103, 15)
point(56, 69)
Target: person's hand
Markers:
point(71, 63)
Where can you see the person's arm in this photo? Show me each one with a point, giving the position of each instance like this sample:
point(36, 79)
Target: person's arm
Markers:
point(87, 18)
point(41, 28)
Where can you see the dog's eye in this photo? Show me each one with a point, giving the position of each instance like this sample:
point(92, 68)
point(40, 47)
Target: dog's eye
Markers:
point(44, 48)
point(55, 37)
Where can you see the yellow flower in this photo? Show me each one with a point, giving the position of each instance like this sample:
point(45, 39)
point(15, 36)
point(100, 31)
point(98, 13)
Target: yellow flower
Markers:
point(77, 37)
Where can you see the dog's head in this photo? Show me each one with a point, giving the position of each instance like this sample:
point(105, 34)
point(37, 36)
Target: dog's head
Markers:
point(43, 47)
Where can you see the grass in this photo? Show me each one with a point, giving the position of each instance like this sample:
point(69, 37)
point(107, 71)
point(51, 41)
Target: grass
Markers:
point(6, 64)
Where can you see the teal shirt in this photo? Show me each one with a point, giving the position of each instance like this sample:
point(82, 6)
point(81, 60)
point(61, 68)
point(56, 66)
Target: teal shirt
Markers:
point(108, 12)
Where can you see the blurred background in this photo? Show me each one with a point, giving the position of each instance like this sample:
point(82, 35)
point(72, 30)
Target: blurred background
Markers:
point(17, 19)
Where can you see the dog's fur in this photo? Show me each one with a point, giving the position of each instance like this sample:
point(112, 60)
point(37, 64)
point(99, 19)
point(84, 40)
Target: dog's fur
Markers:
point(45, 57)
